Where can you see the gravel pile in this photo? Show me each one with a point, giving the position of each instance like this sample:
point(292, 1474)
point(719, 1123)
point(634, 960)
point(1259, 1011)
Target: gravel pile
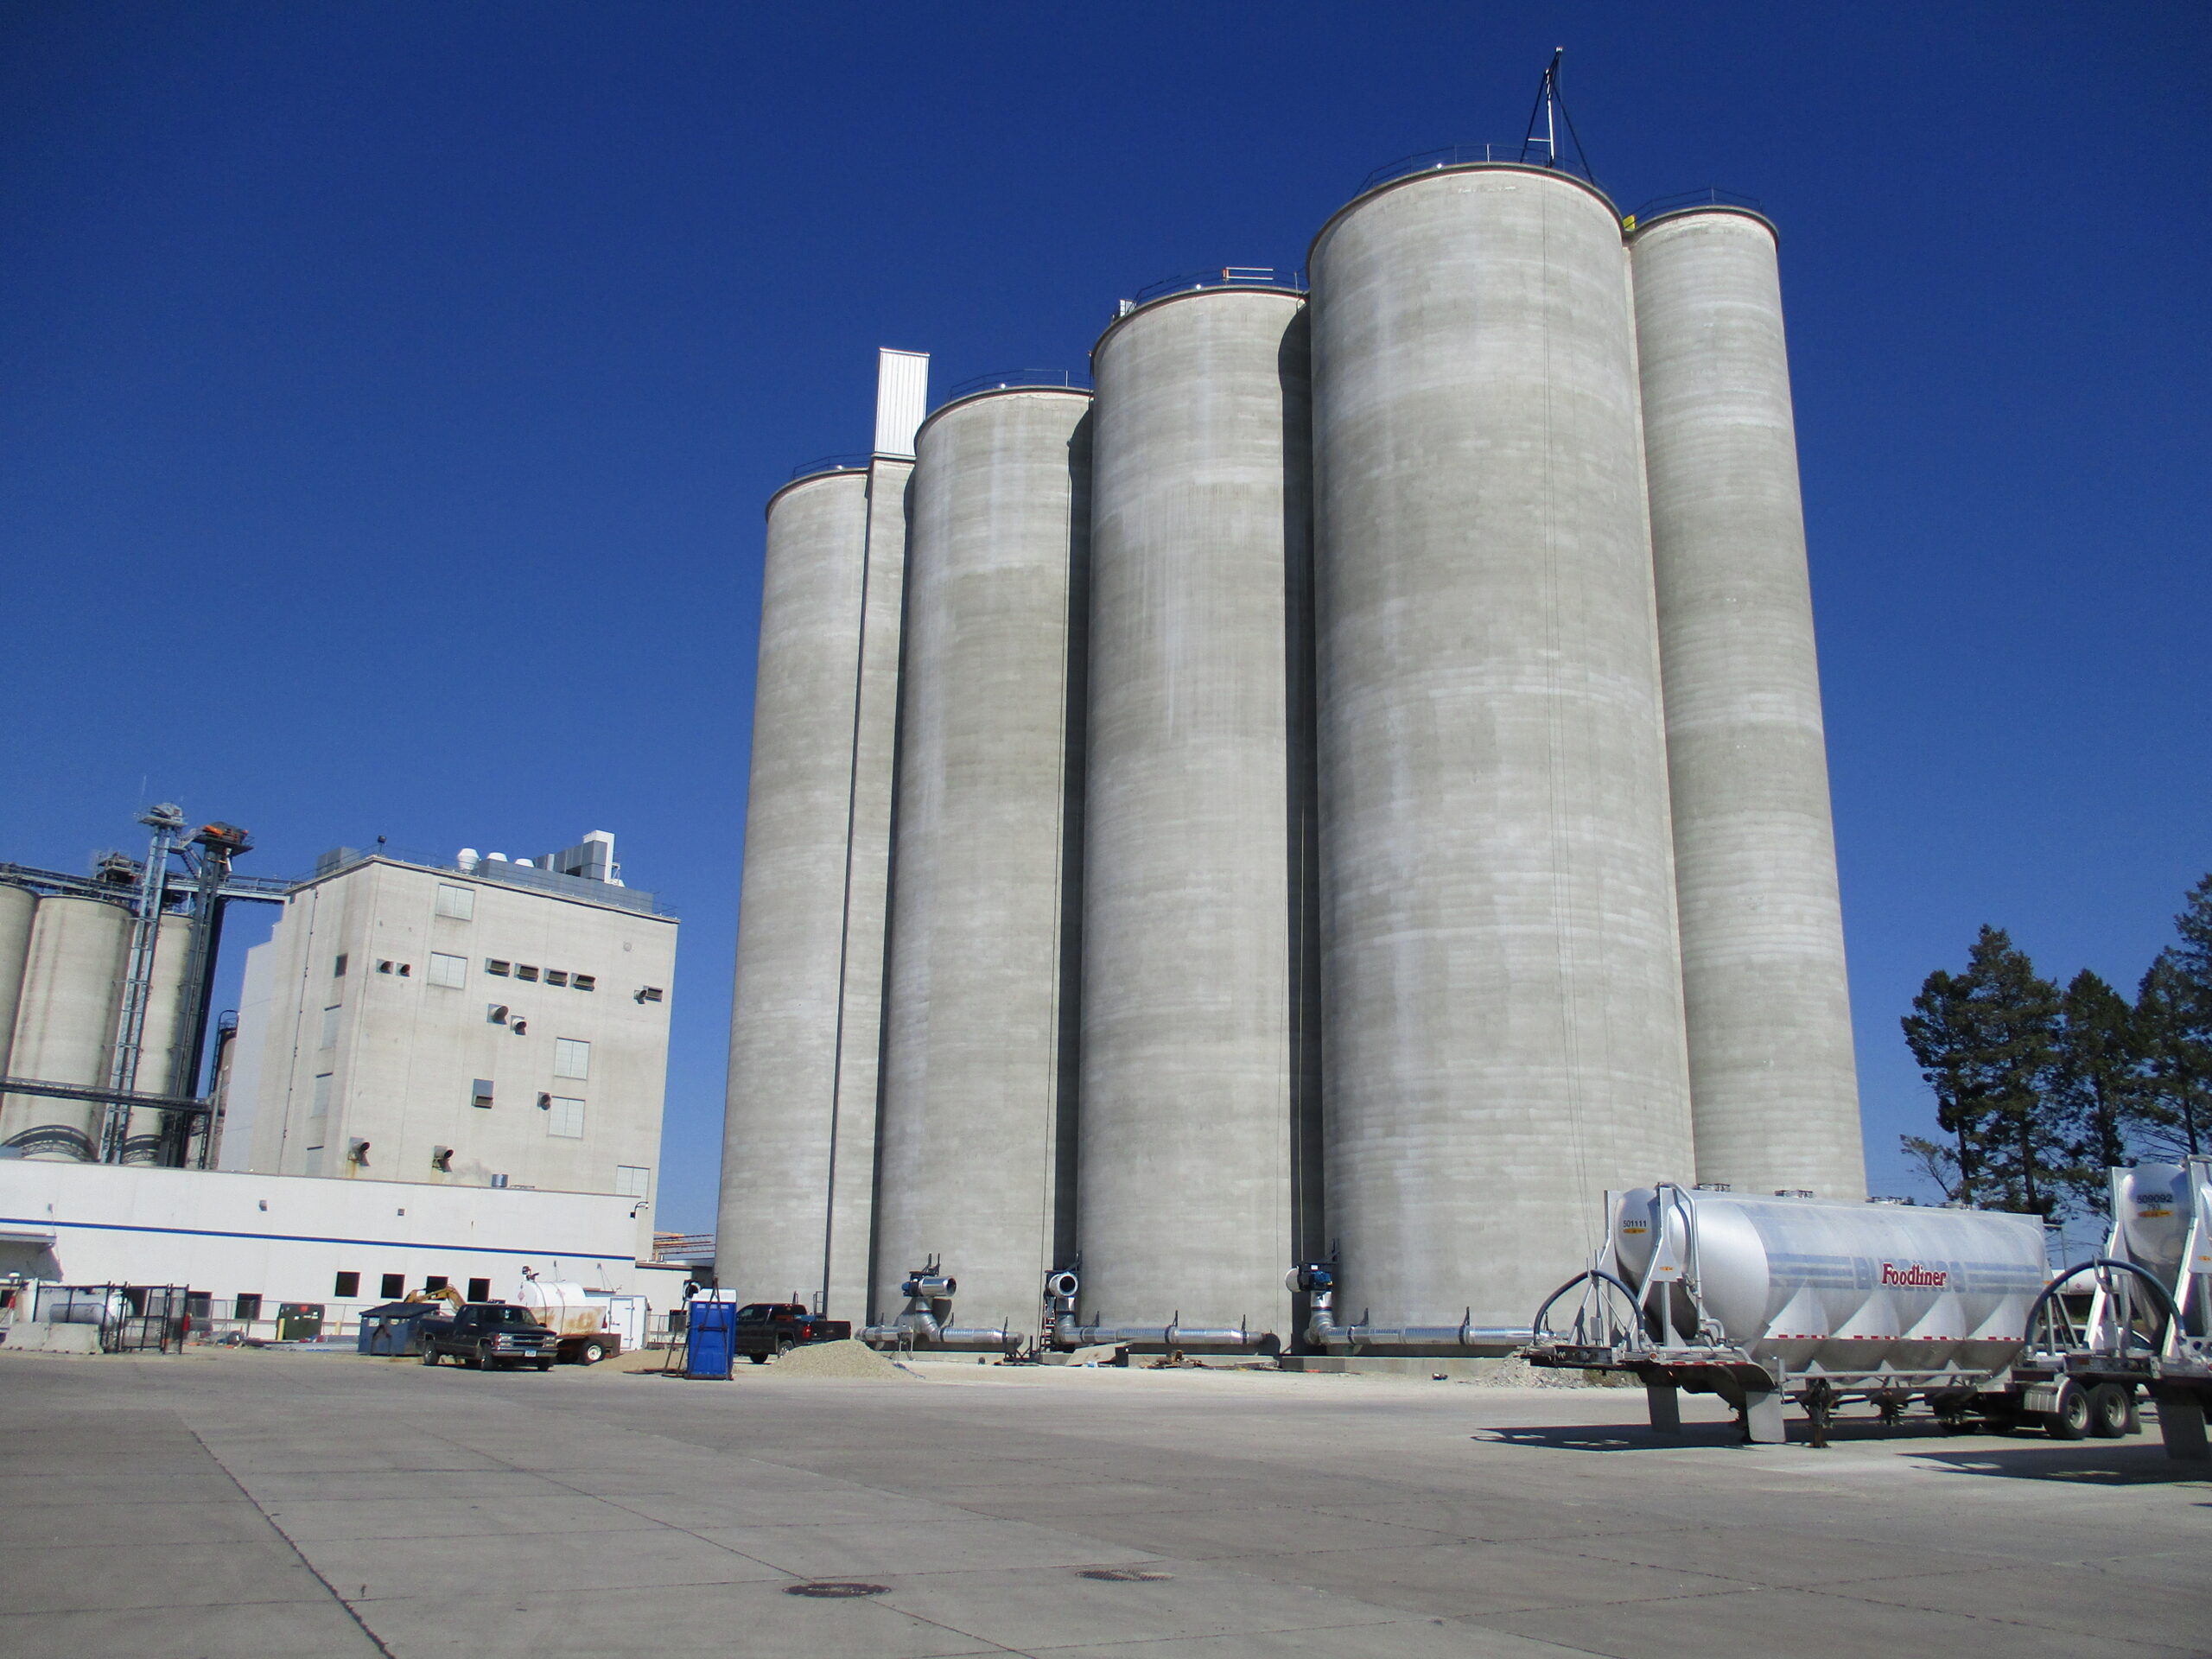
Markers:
point(847, 1358)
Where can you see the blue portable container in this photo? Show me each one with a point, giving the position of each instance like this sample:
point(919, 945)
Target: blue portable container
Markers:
point(712, 1331)
point(391, 1329)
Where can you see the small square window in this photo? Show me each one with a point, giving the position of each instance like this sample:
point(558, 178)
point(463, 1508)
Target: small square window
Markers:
point(447, 971)
point(583, 982)
point(435, 1281)
point(480, 1290)
point(633, 1181)
point(392, 1287)
point(524, 970)
point(347, 1284)
point(566, 1119)
point(571, 1059)
point(493, 965)
point(458, 903)
point(246, 1305)
point(338, 967)
point(555, 976)
point(479, 1093)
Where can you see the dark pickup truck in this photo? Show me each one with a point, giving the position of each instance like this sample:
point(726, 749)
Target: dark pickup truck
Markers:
point(488, 1335)
point(776, 1328)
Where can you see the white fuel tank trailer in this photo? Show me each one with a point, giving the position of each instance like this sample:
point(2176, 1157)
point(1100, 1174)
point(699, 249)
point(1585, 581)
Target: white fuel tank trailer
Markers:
point(1759, 1298)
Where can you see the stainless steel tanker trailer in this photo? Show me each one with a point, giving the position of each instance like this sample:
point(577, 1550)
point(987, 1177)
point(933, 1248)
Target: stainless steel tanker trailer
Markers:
point(2148, 1323)
point(1763, 1300)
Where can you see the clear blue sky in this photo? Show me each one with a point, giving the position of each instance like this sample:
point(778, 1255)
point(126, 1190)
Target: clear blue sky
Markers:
point(390, 392)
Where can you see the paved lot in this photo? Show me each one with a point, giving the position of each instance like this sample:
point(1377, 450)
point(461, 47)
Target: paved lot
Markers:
point(253, 1504)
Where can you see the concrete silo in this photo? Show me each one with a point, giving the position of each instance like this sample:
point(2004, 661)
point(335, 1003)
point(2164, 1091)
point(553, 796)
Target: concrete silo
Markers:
point(1501, 975)
point(976, 1151)
point(64, 1023)
point(1200, 1038)
point(149, 1132)
point(18, 908)
point(773, 1228)
point(1771, 1074)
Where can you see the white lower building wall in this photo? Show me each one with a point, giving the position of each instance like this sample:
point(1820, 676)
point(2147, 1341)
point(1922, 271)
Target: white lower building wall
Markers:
point(286, 1238)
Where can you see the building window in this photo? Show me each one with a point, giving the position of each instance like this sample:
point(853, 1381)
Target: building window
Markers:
point(493, 965)
point(347, 1284)
point(584, 982)
point(571, 1059)
point(555, 976)
point(246, 1305)
point(449, 970)
point(392, 1287)
point(329, 1029)
point(480, 1290)
point(338, 967)
point(650, 994)
point(568, 1118)
point(458, 903)
point(524, 970)
point(479, 1093)
point(318, 1102)
point(435, 1281)
point(633, 1181)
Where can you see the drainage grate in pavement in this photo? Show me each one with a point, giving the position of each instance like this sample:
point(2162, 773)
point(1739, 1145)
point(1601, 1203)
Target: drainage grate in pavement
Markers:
point(835, 1589)
point(1123, 1574)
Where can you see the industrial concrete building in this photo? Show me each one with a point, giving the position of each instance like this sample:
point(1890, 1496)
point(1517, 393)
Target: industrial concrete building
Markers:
point(486, 1022)
point(1436, 836)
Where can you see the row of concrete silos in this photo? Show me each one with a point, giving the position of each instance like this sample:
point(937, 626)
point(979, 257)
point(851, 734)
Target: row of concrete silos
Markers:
point(64, 960)
point(1392, 813)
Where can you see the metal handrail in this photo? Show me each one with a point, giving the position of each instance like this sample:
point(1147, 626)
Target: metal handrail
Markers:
point(1515, 154)
point(1007, 379)
point(1225, 277)
point(1712, 196)
point(848, 463)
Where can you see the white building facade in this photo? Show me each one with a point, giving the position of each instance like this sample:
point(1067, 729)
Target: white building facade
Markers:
point(485, 1024)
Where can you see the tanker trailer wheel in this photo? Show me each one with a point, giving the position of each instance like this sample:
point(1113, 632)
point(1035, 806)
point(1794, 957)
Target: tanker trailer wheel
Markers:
point(2112, 1411)
point(2071, 1421)
point(591, 1353)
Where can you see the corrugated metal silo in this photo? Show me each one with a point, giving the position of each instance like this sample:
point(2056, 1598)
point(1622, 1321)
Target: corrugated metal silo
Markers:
point(1200, 1043)
point(18, 906)
point(771, 1230)
point(1773, 1077)
point(64, 1023)
point(1501, 973)
point(974, 1160)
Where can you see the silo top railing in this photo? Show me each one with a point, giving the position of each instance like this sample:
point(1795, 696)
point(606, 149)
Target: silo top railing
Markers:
point(1711, 196)
point(1517, 153)
point(1223, 276)
point(832, 464)
point(1007, 379)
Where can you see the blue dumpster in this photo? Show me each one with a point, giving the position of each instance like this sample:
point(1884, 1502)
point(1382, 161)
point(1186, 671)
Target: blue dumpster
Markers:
point(711, 1328)
point(392, 1329)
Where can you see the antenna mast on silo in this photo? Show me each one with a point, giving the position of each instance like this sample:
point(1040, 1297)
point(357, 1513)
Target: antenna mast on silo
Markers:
point(1548, 118)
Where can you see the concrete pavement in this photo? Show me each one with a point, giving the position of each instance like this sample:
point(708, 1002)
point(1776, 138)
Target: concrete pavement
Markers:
point(253, 1504)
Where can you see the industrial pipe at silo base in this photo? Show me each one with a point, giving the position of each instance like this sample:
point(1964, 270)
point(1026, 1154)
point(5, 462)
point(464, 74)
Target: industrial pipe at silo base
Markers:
point(925, 1321)
point(1316, 1282)
point(1064, 1330)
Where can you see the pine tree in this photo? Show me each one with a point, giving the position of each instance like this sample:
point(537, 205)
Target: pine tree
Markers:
point(2177, 1049)
point(1986, 1042)
point(2098, 1082)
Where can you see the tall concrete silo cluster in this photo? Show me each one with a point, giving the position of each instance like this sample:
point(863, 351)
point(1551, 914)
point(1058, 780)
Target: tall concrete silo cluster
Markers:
point(1356, 792)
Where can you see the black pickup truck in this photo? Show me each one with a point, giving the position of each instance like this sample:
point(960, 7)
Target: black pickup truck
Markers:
point(775, 1328)
point(488, 1335)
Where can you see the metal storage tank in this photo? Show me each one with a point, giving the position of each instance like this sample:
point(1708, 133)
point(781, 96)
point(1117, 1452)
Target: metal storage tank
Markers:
point(64, 1023)
point(974, 1162)
point(772, 1228)
point(1501, 986)
point(1774, 1086)
point(18, 906)
point(1200, 1035)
